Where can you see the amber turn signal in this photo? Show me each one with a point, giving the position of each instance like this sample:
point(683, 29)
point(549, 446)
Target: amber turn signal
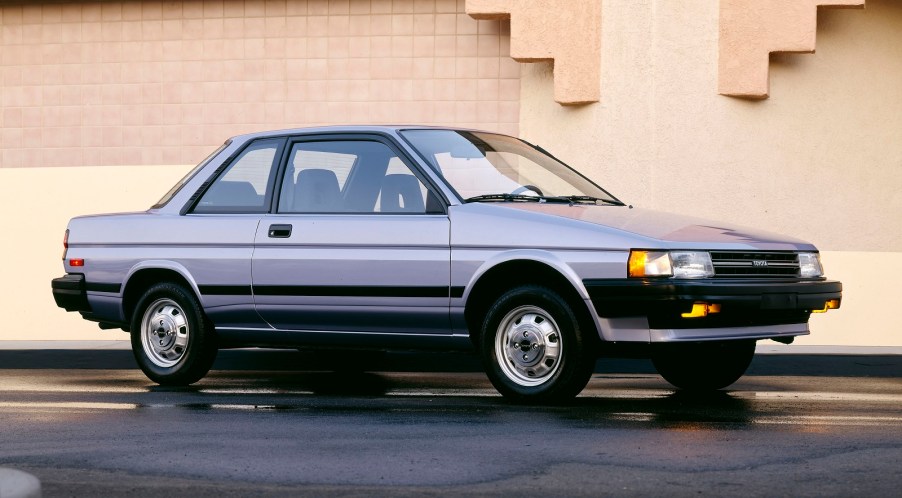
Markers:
point(701, 309)
point(637, 263)
point(832, 304)
point(649, 264)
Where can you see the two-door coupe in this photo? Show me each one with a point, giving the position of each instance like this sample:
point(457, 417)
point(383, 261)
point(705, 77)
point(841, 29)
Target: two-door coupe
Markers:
point(375, 237)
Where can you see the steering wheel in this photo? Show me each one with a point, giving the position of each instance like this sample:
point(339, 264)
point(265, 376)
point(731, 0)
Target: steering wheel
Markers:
point(524, 188)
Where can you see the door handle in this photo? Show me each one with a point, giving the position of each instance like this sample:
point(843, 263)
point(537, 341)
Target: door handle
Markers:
point(279, 231)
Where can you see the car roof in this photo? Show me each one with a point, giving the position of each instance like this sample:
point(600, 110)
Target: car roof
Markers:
point(390, 129)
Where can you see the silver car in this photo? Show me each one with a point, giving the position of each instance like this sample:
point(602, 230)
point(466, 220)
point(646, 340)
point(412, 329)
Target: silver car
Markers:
point(429, 238)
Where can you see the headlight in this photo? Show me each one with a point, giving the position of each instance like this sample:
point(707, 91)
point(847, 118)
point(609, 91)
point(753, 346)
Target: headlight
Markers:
point(691, 264)
point(677, 264)
point(810, 265)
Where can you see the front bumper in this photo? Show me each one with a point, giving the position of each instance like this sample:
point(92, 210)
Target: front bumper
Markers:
point(70, 292)
point(743, 302)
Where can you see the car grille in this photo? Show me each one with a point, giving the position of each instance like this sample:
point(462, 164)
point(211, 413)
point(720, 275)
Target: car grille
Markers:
point(755, 264)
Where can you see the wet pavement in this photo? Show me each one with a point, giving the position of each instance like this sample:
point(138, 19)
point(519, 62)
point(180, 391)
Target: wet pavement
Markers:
point(90, 432)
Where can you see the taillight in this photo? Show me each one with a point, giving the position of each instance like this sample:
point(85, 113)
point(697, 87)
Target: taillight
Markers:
point(65, 244)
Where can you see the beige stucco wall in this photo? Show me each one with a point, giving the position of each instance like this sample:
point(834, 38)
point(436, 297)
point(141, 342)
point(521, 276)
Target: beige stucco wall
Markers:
point(37, 203)
point(565, 32)
point(751, 30)
point(821, 159)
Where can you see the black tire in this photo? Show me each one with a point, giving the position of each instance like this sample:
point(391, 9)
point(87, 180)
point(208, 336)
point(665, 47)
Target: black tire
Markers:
point(184, 341)
point(703, 366)
point(533, 348)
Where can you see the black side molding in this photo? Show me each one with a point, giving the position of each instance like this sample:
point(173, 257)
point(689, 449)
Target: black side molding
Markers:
point(330, 290)
point(102, 287)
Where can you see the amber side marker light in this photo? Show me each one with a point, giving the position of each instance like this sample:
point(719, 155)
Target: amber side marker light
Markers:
point(829, 305)
point(701, 309)
point(649, 264)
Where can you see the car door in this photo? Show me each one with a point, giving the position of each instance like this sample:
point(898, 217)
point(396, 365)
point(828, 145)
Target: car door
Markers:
point(215, 240)
point(356, 242)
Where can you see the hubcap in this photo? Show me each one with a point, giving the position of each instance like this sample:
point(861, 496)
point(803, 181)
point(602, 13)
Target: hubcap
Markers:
point(528, 346)
point(164, 333)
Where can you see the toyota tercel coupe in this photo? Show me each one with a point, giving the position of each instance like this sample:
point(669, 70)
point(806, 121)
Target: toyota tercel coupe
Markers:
point(425, 238)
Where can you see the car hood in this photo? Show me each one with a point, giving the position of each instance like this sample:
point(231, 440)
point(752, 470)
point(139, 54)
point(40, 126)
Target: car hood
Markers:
point(667, 227)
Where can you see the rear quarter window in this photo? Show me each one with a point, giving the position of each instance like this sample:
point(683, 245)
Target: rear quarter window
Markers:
point(245, 185)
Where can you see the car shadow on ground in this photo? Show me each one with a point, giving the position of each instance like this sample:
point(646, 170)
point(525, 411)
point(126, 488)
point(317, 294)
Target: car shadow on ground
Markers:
point(646, 401)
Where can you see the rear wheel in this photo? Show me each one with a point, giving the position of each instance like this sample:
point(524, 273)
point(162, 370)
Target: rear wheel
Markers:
point(703, 366)
point(533, 348)
point(172, 340)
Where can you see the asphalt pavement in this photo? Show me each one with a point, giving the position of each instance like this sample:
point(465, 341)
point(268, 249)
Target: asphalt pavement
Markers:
point(278, 423)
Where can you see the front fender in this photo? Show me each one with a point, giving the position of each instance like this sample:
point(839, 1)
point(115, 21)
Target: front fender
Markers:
point(547, 258)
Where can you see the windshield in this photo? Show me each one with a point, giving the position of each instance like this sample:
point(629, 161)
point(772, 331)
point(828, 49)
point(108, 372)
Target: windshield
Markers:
point(489, 167)
point(181, 183)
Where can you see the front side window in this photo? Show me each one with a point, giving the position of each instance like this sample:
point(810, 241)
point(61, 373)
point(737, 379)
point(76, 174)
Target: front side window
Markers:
point(243, 186)
point(350, 176)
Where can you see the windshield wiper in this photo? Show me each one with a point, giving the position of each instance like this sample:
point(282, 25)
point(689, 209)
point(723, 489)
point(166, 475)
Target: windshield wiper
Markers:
point(574, 199)
point(570, 199)
point(504, 197)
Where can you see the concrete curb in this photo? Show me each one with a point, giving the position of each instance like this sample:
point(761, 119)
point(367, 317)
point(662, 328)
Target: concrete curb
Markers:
point(18, 484)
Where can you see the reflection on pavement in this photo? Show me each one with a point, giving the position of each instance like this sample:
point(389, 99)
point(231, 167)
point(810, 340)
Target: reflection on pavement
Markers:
point(624, 400)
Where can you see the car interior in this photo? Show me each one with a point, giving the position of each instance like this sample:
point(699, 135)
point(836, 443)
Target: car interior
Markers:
point(324, 177)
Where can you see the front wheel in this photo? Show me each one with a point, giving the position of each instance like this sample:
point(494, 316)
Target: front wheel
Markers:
point(172, 340)
point(703, 366)
point(533, 348)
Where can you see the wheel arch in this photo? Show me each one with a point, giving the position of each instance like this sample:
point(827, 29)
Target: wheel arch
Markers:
point(143, 276)
point(501, 274)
